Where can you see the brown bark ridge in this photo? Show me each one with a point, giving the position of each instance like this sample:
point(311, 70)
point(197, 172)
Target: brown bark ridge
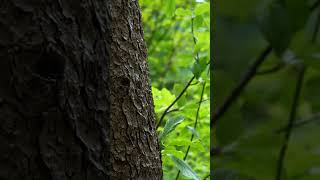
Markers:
point(75, 98)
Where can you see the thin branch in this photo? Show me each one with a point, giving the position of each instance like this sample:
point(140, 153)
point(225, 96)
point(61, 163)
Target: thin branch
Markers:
point(312, 118)
point(242, 84)
point(316, 115)
point(218, 112)
point(295, 103)
point(315, 5)
point(215, 151)
point(201, 97)
point(196, 121)
point(194, 126)
point(177, 98)
point(194, 83)
point(186, 87)
point(173, 110)
point(203, 100)
point(292, 117)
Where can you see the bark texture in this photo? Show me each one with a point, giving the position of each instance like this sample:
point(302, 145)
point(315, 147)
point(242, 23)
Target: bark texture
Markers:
point(75, 98)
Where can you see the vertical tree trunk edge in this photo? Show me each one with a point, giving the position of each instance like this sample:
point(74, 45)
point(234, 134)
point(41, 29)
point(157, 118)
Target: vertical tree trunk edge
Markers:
point(75, 96)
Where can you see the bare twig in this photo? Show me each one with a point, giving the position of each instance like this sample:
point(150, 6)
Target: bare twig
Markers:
point(315, 5)
point(292, 117)
point(312, 118)
point(248, 76)
point(204, 100)
point(186, 87)
point(221, 110)
point(194, 126)
point(173, 110)
point(217, 113)
point(174, 102)
point(201, 97)
point(294, 105)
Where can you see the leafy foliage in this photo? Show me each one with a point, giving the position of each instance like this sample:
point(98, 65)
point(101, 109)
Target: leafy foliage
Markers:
point(246, 138)
point(169, 127)
point(184, 167)
point(177, 33)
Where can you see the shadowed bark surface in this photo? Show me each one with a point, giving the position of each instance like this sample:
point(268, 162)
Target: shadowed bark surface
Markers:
point(75, 98)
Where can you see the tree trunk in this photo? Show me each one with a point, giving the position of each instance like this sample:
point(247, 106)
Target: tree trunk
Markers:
point(75, 98)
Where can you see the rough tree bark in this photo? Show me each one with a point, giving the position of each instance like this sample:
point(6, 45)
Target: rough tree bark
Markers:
point(75, 99)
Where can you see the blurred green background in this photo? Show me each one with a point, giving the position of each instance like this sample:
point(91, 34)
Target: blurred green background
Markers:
point(177, 34)
point(245, 140)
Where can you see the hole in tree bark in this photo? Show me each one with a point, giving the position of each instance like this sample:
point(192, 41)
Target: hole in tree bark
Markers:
point(51, 65)
point(125, 82)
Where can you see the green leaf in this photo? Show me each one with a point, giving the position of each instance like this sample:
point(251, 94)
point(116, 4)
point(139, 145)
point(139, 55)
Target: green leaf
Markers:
point(170, 7)
point(184, 167)
point(172, 150)
point(180, 12)
point(199, 66)
point(162, 146)
point(196, 144)
point(194, 131)
point(276, 26)
point(171, 55)
point(180, 142)
point(202, 8)
point(171, 124)
point(162, 99)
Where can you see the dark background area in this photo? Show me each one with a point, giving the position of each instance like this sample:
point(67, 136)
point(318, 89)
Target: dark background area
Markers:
point(266, 89)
